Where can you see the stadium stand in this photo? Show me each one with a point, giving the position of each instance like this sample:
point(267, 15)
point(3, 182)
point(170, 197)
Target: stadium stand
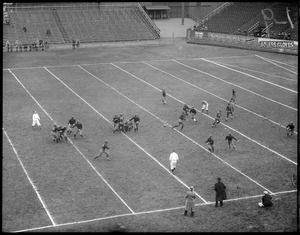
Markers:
point(109, 22)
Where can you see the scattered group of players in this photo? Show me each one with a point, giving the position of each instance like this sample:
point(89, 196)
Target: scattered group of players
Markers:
point(60, 133)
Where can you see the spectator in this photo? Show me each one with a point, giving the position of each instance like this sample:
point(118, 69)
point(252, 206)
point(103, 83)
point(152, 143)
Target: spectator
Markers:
point(17, 44)
point(46, 44)
point(220, 192)
point(48, 32)
point(24, 29)
point(289, 36)
point(190, 201)
point(7, 45)
point(77, 42)
point(266, 200)
point(245, 32)
point(73, 43)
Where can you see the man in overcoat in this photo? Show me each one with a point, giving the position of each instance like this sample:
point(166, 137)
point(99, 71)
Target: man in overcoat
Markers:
point(220, 192)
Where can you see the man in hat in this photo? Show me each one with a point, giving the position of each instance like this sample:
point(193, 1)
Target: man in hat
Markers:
point(220, 192)
point(266, 200)
point(190, 201)
point(173, 160)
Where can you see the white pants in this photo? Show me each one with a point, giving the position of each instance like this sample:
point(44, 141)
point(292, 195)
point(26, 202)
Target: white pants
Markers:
point(173, 164)
point(205, 106)
point(36, 121)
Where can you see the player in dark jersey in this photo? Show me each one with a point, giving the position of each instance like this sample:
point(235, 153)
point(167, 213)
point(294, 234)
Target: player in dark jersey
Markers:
point(79, 128)
point(290, 129)
point(217, 119)
point(55, 133)
point(136, 121)
point(193, 112)
point(127, 126)
point(210, 142)
point(71, 125)
point(229, 111)
point(181, 118)
point(103, 150)
point(233, 96)
point(116, 121)
point(229, 138)
point(61, 133)
point(164, 95)
point(186, 109)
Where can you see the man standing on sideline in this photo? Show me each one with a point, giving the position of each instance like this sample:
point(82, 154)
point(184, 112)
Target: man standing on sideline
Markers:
point(164, 95)
point(190, 201)
point(103, 150)
point(220, 192)
point(173, 160)
point(204, 106)
point(210, 142)
point(229, 138)
point(266, 200)
point(36, 120)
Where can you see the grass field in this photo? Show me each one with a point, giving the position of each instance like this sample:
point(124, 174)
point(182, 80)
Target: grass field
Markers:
point(58, 187)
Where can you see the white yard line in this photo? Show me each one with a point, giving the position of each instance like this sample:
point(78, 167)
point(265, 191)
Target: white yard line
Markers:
point(144, 212)
point(249, 75)
point(276, 64)
point(234, 84)
point(255, 71)
point(208, 116)
point(171, 126)
point(31, 182)
point(74, 145)
point(261, 116)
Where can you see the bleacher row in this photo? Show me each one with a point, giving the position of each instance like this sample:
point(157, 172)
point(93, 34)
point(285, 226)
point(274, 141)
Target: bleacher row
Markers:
point(105, 24)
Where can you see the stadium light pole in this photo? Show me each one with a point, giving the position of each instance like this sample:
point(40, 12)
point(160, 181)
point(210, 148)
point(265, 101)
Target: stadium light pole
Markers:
point(182, 13)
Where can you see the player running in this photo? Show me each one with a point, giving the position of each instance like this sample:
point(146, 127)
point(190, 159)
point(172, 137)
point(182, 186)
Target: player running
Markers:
point(204, 106)
point(79, 129)
point(180, 120)
point(103, 150)
point(136, 121)
point(164, 95)
point(217, 119)
point(229, 138)
point(193, 112)
point(186, 109)
point(229, 111)
point(210, 142)
point(71, 125)
point(233, 96)
point(116, 121)
point(290, 129)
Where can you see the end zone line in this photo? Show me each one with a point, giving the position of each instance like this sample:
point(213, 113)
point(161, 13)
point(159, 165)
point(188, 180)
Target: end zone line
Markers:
point(31, 182)
point(145, 212)
point(74, 144)
point(263, 117)
point(129, 137)
point(273, 151)
point(249, 75)
point(234, 84)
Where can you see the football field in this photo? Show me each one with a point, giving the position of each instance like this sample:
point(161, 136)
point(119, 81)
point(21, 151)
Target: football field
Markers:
point(50, 186)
